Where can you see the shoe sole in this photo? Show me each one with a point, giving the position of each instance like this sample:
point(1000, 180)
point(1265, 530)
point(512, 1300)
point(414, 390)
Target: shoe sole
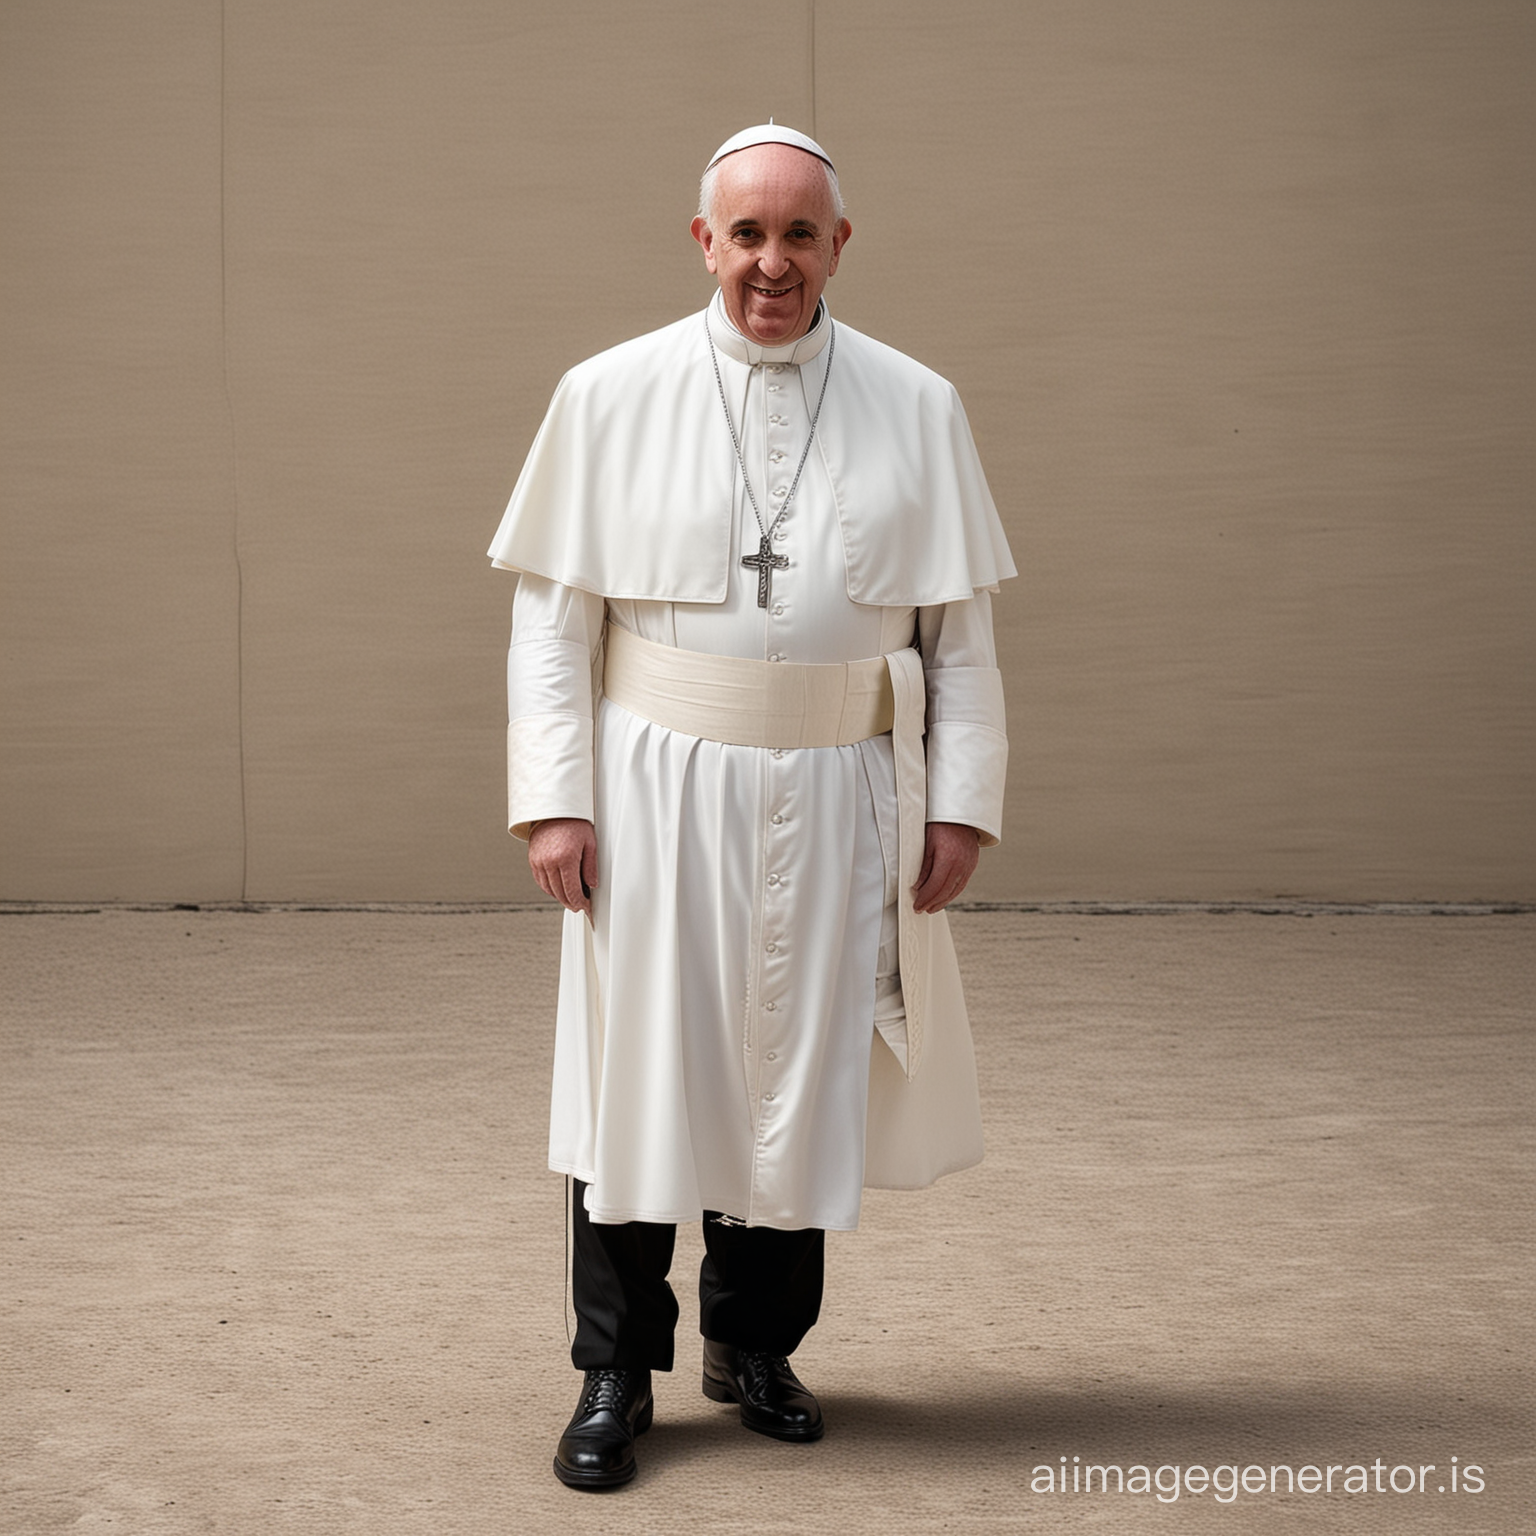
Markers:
point(720, 1392)
point(599, 1482)
point(594, 1482)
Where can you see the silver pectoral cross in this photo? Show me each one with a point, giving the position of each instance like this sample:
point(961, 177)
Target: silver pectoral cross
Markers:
point(765, 563)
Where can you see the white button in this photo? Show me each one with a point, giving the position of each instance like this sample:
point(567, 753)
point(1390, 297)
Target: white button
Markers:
point(773, 879)
point(778, 458)
point(778, 821)
point(778, 608)
point(778, 751)
point(775, 367)
point(781, 533)
point(773, 1007)
point(773, 949)
point(769, 1097)
point(773, 1055)
point(777, 421)
point(775, 657)
point(774, 389)
point(781, 490)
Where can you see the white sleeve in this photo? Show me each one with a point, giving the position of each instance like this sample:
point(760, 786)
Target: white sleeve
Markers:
point(556, 635)
point(967, 734)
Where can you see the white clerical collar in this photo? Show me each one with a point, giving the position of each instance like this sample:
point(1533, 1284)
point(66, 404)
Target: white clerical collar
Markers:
point(730, 341)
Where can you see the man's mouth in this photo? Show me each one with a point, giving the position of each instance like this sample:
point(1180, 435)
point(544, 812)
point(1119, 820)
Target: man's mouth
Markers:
point(773, 293)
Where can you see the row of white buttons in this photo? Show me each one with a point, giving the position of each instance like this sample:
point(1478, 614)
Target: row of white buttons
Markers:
point(776, 818)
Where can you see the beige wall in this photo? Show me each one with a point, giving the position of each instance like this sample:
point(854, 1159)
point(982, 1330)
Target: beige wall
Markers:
point(1238, 295)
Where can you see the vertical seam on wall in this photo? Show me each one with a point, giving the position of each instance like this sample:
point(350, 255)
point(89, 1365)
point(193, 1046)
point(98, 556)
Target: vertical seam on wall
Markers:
point(810, 20)
point(234, 458)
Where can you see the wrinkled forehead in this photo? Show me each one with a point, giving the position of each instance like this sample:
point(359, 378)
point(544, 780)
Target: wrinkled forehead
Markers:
point(772, 179)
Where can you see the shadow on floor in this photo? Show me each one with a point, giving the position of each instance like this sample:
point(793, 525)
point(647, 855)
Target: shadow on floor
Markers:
point(1242, 1423)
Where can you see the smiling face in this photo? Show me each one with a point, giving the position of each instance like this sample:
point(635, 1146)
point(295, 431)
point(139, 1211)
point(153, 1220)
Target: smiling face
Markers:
point(771, 239)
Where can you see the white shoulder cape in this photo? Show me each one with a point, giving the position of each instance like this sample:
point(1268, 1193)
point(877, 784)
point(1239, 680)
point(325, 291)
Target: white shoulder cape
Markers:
point(628, 488)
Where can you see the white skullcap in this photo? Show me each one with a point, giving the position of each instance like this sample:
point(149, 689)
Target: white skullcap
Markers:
point(769, 133)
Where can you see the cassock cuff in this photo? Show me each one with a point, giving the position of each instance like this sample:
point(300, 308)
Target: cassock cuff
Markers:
point(549, 770)
point(967, 767)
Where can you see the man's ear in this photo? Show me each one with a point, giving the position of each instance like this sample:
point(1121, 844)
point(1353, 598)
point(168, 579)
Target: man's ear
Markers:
point(839, 240)
point(706, 237)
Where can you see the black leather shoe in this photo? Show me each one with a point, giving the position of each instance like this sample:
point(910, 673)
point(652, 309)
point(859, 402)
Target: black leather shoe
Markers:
point(773, 1401)
point(597, 1449)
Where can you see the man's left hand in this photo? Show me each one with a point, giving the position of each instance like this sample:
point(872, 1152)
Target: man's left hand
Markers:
point(950, 852)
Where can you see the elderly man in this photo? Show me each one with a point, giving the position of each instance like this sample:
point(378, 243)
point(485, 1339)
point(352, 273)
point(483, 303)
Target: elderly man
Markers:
point(756, 742)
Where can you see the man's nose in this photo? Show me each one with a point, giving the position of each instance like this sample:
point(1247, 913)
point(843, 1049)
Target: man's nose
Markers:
point(773, 260)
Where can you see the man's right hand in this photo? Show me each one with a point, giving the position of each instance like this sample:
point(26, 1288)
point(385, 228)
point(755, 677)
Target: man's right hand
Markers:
point(562, 853)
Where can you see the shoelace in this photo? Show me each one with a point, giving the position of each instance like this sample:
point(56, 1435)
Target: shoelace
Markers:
point(606, 1389)
point(757, 1363)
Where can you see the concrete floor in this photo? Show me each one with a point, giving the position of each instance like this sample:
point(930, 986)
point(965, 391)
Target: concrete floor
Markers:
point(280, 1256)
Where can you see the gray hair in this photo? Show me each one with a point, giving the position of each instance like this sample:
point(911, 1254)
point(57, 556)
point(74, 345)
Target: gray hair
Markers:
point(707, 190)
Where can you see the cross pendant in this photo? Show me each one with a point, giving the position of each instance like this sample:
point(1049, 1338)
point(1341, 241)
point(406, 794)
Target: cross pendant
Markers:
point(765, 563)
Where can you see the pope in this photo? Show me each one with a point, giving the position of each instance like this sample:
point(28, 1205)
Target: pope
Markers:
point(755, 744)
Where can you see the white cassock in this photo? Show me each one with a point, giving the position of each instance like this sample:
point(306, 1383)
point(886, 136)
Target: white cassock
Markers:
point(730, 1033)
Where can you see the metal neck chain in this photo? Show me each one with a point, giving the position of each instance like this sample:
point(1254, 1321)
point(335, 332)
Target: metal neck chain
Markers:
point(766, 529)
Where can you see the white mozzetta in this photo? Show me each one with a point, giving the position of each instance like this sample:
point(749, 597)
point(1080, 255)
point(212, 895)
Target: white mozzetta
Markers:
point(625, 487)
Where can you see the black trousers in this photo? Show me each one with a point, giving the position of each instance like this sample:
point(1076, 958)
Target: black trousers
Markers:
point(759, 1288)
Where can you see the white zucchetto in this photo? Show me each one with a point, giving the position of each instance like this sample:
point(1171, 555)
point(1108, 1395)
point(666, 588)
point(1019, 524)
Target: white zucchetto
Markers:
point(769, 133)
